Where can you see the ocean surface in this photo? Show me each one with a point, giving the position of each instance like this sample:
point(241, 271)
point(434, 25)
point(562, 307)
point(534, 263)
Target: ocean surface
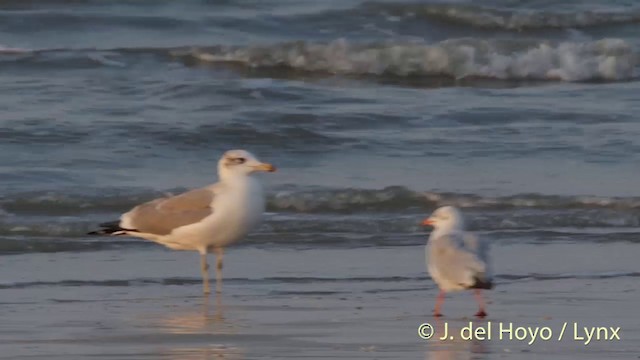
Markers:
point(522, 113)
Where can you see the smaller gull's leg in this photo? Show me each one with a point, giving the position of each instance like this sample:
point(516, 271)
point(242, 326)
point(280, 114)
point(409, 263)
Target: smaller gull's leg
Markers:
point(439, 301)
point(219, 255)
point(478, 294)
point(204, 268)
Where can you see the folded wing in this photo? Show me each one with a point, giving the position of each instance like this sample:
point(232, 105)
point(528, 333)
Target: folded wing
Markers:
point(458, 262)
point(161, 216)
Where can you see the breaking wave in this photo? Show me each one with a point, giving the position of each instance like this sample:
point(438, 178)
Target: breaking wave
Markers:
point(47, 222)
point(396, 198)
point(309, 200)
point(459, 59)
point(603, 60)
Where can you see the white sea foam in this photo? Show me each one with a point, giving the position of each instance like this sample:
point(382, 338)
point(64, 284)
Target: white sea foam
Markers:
point(607, 59)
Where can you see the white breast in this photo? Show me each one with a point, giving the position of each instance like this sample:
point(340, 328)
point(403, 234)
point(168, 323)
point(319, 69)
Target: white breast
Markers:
point(238, 209)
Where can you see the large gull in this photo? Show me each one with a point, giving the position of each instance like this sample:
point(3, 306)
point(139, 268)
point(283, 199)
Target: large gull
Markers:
point(205, 219)
point(456, 259)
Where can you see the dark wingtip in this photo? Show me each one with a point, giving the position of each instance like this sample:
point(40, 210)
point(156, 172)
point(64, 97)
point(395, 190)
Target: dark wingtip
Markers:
point(103, 232)
point(482, 284)
point(108, 228)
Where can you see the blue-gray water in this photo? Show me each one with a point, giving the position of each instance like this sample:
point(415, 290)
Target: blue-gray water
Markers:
point(523, 113)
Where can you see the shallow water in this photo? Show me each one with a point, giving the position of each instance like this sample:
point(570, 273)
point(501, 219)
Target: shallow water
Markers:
point(317, 303)
point(521, 113)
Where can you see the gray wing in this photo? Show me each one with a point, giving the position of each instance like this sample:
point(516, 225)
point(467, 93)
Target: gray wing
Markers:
point(455, 261)
point(481, 248)
point(161, 216)
point(476, 245)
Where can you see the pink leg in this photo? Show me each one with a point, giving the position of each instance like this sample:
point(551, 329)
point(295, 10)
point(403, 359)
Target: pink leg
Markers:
point(439, 301)
point(478, 294)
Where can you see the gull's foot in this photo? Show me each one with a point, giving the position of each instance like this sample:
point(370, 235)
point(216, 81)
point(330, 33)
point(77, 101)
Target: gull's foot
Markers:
point(437, 314)
point(481, 314)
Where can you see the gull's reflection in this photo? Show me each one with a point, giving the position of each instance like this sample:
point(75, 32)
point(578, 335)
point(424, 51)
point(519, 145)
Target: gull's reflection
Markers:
point(205, 353)
point(209, 318)
point(201, 332)
point(456, 348)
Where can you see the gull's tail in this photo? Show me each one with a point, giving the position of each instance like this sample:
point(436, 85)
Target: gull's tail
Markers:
point(111, 228)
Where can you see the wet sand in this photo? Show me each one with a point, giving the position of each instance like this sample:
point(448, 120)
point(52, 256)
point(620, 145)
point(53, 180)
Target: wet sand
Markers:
point(310, 303)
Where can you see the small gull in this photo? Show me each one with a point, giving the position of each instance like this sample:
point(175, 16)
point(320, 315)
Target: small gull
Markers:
point(456, 259)
point(205, 219)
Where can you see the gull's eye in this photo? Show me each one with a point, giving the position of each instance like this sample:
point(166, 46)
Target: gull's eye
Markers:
point(239, 160)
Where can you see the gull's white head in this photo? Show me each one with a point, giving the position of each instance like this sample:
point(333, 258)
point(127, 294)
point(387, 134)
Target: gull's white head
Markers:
point(446, 217)
point(241, 162)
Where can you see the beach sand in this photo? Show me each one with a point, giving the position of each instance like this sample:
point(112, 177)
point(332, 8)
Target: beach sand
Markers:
point(311, 303)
